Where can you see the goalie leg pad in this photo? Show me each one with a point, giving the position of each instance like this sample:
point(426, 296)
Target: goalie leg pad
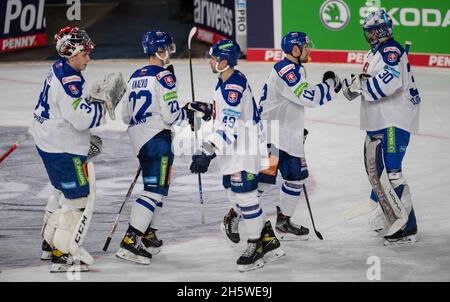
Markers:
point(390, 203)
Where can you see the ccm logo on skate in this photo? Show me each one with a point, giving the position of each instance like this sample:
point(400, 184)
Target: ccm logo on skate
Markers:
point(81, 229)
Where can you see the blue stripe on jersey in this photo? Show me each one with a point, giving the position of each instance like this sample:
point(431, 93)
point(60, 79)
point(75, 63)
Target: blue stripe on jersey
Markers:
point(249, 208)
point(94, 118)
point(378, 88)
point(369, 89)
point(321, 93)
point(100, 115)
point(224, 136)
point(328, 92)
point(145, 204)
point(252, 215)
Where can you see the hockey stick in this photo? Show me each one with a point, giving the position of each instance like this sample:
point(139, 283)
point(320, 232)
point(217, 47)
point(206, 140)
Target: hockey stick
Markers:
point(318, 234)
point(113, 229)
point(407, 46)
point(19, 141)
point(200, 190)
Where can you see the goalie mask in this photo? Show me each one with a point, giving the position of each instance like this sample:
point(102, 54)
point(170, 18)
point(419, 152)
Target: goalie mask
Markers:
point(70, 41)
point(377, 28)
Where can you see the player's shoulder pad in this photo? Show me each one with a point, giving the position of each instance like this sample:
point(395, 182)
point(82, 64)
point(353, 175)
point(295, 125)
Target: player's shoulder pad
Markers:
point(391, 52)
point(288, 71)
point(71, 80)
point(233, 89)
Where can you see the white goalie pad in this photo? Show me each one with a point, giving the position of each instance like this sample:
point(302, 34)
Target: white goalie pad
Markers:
point(109, 91)
point(82, 226)
point(390, 203)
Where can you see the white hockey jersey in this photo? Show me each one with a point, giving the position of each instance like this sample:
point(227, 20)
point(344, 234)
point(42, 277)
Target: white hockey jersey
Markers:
point(150, 104)
point(284, 98)
point(63, 116)
point(238, 132)
point(390, 97)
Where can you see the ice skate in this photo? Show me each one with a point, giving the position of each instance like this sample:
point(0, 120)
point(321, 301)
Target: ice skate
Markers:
point(401, 237)
point(287, 230)
point(230, 227)
point(271, 244)
point(151, 243)
point(131, 249)
point(251, 259)
point(66, 263)
point(46, 251)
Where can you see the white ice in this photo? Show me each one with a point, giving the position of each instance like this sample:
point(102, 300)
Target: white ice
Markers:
point(337, 182)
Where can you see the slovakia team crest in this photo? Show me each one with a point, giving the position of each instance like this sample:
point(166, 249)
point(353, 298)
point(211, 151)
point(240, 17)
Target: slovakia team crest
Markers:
point(73, 89)
point(232, 96)
point(392, 57)
point(291, 77)
point(169, 81)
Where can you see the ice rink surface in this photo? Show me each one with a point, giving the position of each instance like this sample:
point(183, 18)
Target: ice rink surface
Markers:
point(198, 252)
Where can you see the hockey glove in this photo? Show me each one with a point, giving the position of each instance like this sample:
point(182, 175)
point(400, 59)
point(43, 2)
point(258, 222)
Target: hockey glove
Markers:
point(205, 109)
point(352, 85)
point(202, 159)
point(337, 81)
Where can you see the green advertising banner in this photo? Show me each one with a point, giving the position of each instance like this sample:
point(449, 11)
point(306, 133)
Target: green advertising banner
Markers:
point(337, 24)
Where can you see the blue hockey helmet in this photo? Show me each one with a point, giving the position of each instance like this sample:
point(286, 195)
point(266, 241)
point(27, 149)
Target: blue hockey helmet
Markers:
point(294, 38)
point(377, 27)
point(156, 39)
point(226, 50)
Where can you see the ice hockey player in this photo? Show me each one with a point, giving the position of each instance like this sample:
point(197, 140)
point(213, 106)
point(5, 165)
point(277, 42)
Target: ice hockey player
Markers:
point(63, 111)
point(282, 104)
point(237, 119)
point(390, 105)
point(150, 108)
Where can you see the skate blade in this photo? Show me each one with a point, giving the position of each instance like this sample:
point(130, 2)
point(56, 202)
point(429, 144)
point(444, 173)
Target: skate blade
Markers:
point(152, 250)
point(407, 240)
point(46, 256)
point(62, 268)
point(291, 237)
point(129, 256)
point(230, 243)
point(273, 255)
point(250, 267)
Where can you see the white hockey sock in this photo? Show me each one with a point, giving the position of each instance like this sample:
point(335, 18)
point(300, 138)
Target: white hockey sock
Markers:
point(252, 213)
point(262, 187)
point(157, 214)
point(290, 195)
point(143, 209)
point(233, 202)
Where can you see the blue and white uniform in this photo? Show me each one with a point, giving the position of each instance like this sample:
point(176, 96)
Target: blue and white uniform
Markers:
point(390, 106)
point(61, 128)
point(237, 119)
point(150, 107)
point(390, 97)
point(284, 98)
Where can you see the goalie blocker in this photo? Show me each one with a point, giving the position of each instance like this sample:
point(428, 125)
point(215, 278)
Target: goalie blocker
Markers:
point(109, 91)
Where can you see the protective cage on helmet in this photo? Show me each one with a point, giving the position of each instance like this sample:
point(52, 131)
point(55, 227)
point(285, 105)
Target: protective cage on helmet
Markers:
point(70, 41)
point(379, 24)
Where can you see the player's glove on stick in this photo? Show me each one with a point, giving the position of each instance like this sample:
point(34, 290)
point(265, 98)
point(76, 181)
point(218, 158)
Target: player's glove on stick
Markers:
point(201, 161)
point(336, 80)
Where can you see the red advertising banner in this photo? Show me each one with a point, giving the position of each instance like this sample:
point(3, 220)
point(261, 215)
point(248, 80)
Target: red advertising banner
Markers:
point(352, 57)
